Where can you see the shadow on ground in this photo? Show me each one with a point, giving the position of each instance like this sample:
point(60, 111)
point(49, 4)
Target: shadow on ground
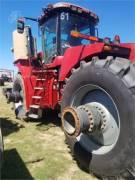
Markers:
point(9, 126)
point(14, 167)
point(50, 119)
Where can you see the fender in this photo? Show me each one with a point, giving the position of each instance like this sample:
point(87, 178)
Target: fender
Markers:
point(132, 52)
point(73, 55)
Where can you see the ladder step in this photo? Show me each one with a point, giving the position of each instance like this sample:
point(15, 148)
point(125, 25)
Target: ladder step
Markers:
point(35, 106)
point(39, 71)
point(43, 71)
point(40, 88)
point(36, 97)
point(40, 79)
point(33, 116)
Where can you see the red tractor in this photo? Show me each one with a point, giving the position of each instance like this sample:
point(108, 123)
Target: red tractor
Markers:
point(90, 80)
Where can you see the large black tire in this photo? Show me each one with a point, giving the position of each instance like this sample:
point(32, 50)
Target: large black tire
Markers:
point(1, 148)
point(117, 78)
point(20, 110)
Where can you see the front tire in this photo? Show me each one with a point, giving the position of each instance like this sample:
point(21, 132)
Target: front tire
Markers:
point(116, 77)
point(19, 107)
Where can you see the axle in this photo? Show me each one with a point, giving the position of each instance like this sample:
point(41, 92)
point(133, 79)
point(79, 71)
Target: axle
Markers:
point(84, 118)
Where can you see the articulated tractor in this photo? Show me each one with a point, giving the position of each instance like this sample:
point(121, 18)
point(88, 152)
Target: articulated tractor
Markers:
point(90, 81)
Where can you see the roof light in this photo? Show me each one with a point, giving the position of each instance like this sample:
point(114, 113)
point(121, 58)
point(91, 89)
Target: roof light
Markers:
point(60, 4)
point(116, 39)
point(107, 40)
point(92, 14)
point(50, 6)
point(95, 16)
point(74, 8)
point(80, 10)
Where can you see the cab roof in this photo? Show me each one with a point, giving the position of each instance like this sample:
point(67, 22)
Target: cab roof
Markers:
point(52, 9)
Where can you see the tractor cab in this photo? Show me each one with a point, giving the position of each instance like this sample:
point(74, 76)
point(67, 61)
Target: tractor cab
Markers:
point(58, 24)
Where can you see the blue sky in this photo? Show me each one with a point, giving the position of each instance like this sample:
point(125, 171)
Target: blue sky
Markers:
point(116, 17)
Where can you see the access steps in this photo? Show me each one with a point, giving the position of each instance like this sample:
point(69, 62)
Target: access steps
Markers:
point(35, 111)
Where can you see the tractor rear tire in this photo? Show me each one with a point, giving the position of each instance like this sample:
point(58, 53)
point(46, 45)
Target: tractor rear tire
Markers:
point(19, 108)
point(116, 77)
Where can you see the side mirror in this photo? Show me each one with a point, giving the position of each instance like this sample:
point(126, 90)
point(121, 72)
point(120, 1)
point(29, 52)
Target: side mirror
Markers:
point(20, 25)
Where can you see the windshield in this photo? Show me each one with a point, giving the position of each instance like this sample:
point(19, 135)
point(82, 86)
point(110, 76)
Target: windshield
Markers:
point(49, 38)
point(71, 22)
point(56, 32)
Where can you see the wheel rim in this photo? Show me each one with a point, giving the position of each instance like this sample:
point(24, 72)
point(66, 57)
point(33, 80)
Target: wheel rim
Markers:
point(103, 140)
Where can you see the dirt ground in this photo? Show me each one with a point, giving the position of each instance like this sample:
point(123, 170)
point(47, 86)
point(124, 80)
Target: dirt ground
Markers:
point(36, 149)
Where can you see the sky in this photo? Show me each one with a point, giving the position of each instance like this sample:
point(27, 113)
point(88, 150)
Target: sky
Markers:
point(116, 17)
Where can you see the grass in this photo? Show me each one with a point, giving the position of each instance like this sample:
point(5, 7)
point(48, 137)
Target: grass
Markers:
point(36, 149)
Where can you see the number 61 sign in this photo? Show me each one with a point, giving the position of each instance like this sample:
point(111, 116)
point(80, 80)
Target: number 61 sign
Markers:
point(64, 16)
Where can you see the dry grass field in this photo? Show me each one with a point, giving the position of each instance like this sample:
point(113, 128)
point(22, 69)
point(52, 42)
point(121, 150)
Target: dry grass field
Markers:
point(36, 149)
